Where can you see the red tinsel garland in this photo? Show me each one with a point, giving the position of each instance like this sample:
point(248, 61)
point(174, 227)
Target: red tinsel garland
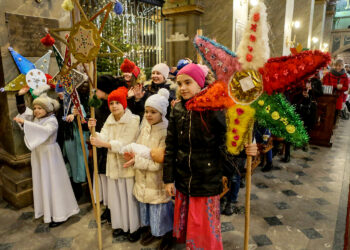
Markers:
point(214, 97)
point(282, 73)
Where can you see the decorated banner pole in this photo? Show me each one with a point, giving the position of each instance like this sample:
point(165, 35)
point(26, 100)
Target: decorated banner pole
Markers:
point(199, 57)
point(248, 178)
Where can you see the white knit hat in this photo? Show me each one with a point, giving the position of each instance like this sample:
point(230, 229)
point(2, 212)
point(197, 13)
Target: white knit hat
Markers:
point(47, 103)
point(162, 68)
point(159, 101)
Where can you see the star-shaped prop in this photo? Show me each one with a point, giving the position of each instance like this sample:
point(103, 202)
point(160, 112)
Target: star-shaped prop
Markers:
point(33, 75)
point(242, 79)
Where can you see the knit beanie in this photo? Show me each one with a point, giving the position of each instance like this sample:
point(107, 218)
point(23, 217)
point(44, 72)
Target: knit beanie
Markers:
point(194, 71)
point(106, 83)
point(159, 101)
point(130, 67)
point(162, 68)
point(119, 95)
point(47, 103)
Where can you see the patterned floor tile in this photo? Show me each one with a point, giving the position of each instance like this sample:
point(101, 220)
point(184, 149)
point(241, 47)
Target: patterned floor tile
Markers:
point(311, 233)
point(262, 240)
point(269, 176)
point(273, 221)
point(296, 182)
point(6, 246)
point(326, 179)
point(324, 189)
point(317, 215)
point(226, 227)
point(321, 201)
point(261, 185)
point(26, 216)
point(63, 243)
point(300, 173)
point(42, 228)
point(92, 224)
point(253, 197)
point(282, 205)
point(120, 239)
point(289, 193)
point(307, 159)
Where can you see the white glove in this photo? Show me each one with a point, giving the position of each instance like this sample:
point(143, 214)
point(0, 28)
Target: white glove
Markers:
point(138, 149)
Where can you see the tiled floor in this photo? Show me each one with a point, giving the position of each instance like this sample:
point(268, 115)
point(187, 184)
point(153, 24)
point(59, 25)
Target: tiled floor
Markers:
point(297, 206)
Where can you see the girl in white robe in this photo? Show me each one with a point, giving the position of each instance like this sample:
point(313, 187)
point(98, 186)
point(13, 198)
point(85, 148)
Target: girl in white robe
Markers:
point(53, 194)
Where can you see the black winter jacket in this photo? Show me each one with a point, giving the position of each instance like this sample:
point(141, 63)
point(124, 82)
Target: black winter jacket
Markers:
point(194, 154)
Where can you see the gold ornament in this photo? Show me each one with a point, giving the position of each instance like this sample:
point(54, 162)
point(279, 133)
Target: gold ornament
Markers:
point(261, 103)
point(246, 86)
point(290, 129)
point(275, 115)
point(284, 120)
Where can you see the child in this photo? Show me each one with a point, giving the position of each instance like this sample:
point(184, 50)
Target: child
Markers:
point(119, 130)
point(337, 78)
point(53, 195)
point(105, 85)
point(156, 207)
point(160, 73)
point(193, 160)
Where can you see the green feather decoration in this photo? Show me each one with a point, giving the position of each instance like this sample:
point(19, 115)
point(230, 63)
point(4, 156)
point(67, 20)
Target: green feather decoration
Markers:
point(95, 102)
point(275, 113)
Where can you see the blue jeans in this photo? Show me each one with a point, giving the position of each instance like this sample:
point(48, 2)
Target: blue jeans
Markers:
point(234, 183)
point(259, 139)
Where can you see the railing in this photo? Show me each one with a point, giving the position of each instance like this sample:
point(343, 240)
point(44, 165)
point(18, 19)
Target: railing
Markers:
point(340, 41)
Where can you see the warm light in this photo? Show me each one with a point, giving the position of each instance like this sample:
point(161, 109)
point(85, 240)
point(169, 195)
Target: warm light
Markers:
point(296, 24)
point(325, 45)
point(314, 39)
point(254, 2)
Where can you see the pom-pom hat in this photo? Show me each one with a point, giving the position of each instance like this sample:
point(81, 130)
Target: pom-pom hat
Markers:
point(119, 95)
point(162, 68)
point(130, 67)
point(194, 71)
point(159, 101)
point(47, 103)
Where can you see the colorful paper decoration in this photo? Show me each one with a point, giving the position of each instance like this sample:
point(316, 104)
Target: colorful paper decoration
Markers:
point(35, 78)
point(23, 64)
point(44, 62)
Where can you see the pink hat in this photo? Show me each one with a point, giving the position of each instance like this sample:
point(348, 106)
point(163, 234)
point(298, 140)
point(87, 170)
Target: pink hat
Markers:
point(194, 71)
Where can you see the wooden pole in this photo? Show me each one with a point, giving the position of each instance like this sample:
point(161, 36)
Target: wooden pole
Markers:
point(247, 196)
point(86, 165)
point(199, 58)
point(93, 73)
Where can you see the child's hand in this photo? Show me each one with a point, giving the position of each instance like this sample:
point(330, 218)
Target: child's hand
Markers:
point(138, 92)
point(128, 156)
point(23, 90)
point(129, 163)
point(251, 149)
point(157, 154)
point(70, 118)
point(339, 86)
point(19, 120)
point(170, 189)
point(91, 123)
point(96, 142)
point(173, 102)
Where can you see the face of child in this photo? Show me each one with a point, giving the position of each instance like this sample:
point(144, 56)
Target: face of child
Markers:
point(116, 108)
point(339, 67)
point(152, 115)
point(157, 77)
point(101, 95)
point(187, 86)
point(127, 76)
point(39, 112)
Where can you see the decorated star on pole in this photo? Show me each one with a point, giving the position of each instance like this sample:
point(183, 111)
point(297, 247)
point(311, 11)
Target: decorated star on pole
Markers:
point(31, 74)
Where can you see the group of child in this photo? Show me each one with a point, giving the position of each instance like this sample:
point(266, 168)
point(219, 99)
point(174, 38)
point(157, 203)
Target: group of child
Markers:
point(150, 148)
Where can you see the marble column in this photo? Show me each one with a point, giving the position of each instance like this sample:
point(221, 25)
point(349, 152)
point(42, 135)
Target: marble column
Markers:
point(240, 19)
point(15, 170)
point(279, 17)
point(328, 27)
point(304, 13)
point(319, 23)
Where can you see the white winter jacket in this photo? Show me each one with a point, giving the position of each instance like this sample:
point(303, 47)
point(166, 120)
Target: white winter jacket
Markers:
point(149, 186)
point(119, 134)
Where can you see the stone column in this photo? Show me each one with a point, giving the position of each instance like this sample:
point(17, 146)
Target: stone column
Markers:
point(304, 13)
point(319, 22)
point(280, 17)
point(328, 26)
point(15, 170)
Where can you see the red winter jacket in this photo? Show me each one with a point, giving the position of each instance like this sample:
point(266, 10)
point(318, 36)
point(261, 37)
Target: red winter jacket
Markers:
point(331, 79)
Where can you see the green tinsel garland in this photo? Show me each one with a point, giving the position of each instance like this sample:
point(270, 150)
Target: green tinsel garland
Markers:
point(275, 113)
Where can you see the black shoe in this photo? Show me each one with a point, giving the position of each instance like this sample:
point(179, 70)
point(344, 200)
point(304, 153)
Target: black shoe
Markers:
point(229, 209)
point(118, 232)
point(147, 238)
point(223, 202)
point(286, 159)
point(106, 216)
point(135, 236)
point(242, 183)
point(167, 241)
point(56, 224)
point(267, 167)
